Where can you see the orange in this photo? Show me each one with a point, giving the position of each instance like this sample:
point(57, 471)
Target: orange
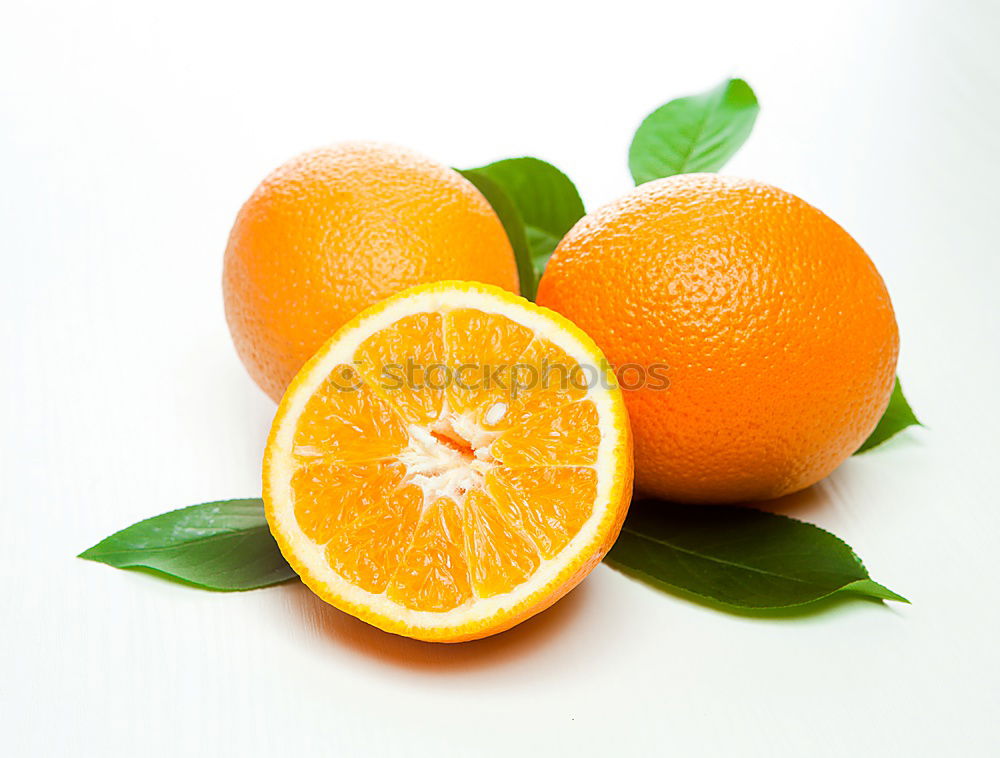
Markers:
point(452, 461)
point(335, 230)
point(771, 327)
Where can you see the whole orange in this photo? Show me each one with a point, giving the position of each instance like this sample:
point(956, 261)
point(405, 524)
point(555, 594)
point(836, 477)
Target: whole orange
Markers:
point(334, 231)
point(769, 325)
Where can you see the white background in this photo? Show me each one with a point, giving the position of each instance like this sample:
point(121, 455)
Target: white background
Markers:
point(130, 133)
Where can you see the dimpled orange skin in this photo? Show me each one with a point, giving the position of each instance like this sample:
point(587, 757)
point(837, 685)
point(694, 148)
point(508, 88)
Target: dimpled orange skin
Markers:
point(337, 229)
point(777, 329)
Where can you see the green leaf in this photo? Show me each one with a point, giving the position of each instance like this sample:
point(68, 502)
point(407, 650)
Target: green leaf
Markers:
point(896, 418)
point(737, 556)
point(696, 133)
point(225, 545)
point(513, 224)
point(544, 196)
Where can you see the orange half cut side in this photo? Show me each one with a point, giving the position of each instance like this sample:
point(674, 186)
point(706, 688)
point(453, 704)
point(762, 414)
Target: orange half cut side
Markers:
point(451, 462)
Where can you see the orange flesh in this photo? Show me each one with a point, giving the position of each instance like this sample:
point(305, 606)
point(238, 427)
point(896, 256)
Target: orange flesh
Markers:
point(440, 492)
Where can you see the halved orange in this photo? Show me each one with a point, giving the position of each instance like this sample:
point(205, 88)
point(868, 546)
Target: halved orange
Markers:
point(452, 461)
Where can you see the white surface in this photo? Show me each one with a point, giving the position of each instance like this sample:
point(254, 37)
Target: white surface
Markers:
point(130, 136)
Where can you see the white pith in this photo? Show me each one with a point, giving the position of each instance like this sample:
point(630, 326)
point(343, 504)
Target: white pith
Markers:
point(435, 467)
point(440, 470)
